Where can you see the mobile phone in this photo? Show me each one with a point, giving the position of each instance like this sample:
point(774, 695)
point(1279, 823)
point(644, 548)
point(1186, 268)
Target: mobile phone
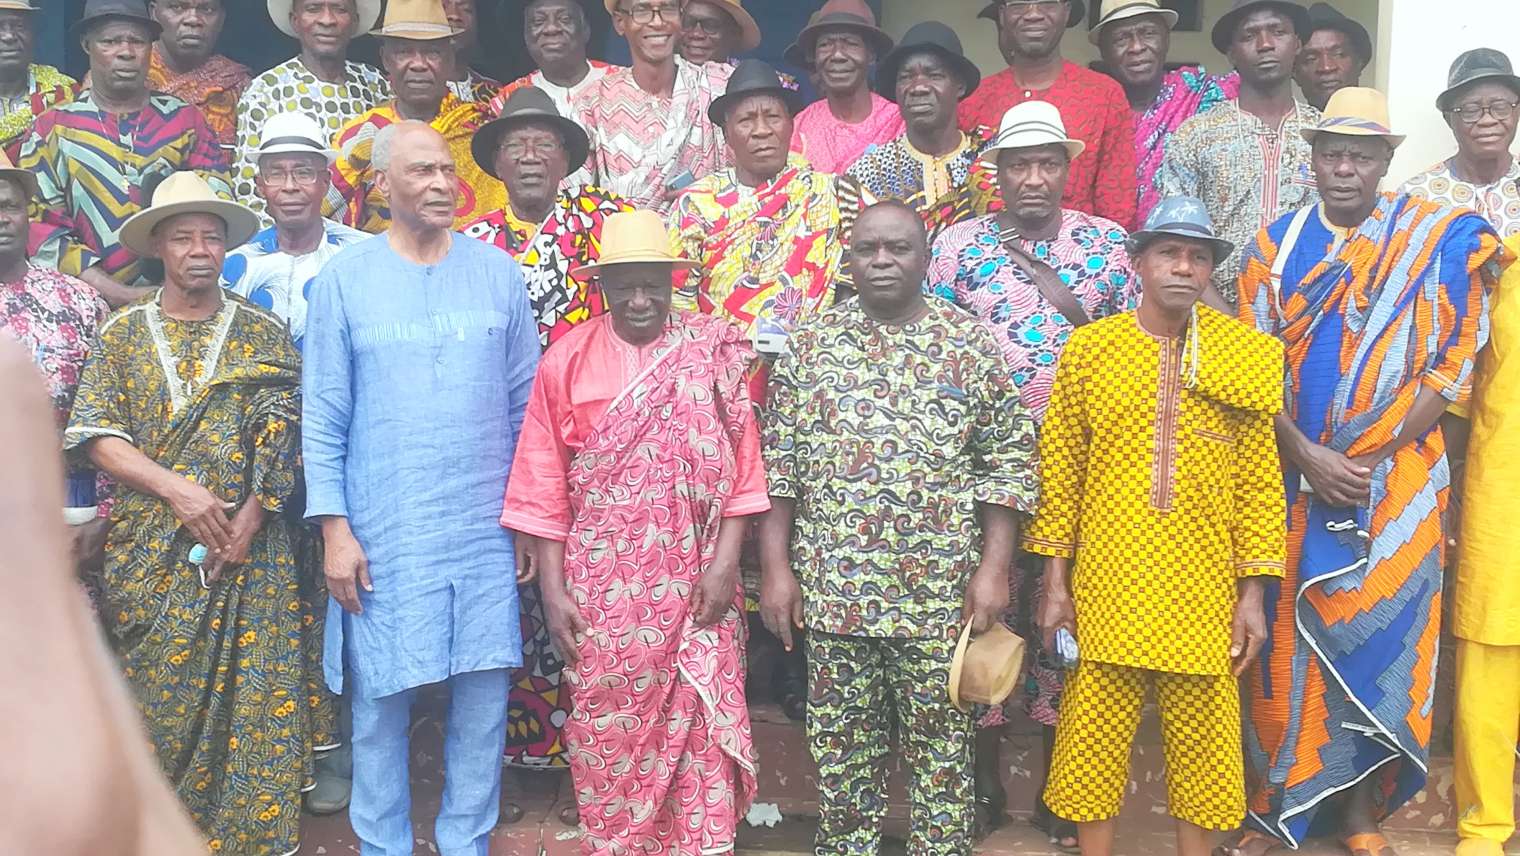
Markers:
point(1066, 648)
point(682, 181)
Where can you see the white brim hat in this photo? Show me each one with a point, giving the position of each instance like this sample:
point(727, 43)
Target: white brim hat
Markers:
point(291, 132)
point(369, 13)
point(1031, 125)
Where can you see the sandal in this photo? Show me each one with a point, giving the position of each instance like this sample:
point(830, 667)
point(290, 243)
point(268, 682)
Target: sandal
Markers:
point(1240, 844)
point(570, 815)
point(1368, 844)
point(511, 813)
point(1062, 831)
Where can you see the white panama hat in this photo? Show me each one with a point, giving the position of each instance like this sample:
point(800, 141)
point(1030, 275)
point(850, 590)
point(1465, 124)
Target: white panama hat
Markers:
point(1032, 124)
point(292, 132)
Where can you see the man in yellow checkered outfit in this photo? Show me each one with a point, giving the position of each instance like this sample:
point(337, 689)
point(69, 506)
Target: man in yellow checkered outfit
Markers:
point(1161, 517)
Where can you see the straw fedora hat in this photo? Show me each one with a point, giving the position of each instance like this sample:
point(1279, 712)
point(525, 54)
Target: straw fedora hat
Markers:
point(369, 13)
point(293, 133)
point(1356, 111)
point(186, 193)
point(749, 30)
point(1031, 124)
point(985, 669)
point(634, 237)
point(419, 20)
point(9, 170)
point(1122, 10)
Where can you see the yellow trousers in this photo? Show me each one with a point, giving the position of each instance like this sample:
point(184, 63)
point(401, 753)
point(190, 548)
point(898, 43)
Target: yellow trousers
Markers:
point(1487, 731)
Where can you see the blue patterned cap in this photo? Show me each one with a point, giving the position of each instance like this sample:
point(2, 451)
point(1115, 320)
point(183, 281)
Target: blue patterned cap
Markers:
point(1182, 217)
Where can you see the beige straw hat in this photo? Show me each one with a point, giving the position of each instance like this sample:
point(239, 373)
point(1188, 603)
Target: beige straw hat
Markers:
point(634, 237)
point(1033, 124)
point(420, 20)
point(186, 193)
point(1121, 10)
point(1356, 111)
point(985, 669)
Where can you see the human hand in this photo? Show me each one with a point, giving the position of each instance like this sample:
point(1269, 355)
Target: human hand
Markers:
point(200, 511)
point(346, 568)
point(986, 598)
point(246, 524)
point(1056, 611)
point(713, 596)
point(1335, 478)
point(1248, 627)
point(566, 625)
point(527, 557)
point(781, 604)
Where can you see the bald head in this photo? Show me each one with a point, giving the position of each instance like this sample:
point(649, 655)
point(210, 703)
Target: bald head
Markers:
point(414, 170)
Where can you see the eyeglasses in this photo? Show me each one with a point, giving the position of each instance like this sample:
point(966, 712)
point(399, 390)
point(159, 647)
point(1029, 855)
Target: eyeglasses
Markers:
point(519, 149)
point(1472, 114)
point(1020, 8)
point(644, 13)
point(710, 26)
point(300, 176)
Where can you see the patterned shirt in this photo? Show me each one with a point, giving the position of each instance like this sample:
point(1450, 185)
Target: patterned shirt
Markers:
point(562, 97)
point(1498, 203)
point(55, 318)
point(1095, 111)
point(277, 281)
point(570, 237)
point(354, 198)
point(897, 170)
point(1161, 477)
point(832, 144)
point(971, 267)
point(1247, 174)
point(1185, 92)
point(888, 437)
point(288, 88)
point(476, 88)
point(91, 167)
point(45, 86)
point(641, 142)
point(773, 252)
point(214, 88)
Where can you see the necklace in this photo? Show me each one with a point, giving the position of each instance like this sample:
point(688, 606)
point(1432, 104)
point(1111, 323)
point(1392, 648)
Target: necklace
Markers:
point(127, 155)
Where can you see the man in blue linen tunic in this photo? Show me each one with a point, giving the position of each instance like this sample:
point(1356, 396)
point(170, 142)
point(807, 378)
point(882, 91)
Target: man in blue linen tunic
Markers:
point(419, 357)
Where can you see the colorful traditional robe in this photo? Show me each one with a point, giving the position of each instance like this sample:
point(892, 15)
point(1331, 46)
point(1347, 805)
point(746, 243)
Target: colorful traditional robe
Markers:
point(930, 185)
point(218, 670)
point(1185, 92)
point(355, 201)
point(633, 457)
point(1370, 317)
point(831, 144)
point(45, 86)
point(214, 89)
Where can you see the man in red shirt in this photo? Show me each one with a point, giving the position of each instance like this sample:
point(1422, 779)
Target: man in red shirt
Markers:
point(1092, 105)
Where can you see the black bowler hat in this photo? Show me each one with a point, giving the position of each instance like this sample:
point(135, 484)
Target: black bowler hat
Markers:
point(750, 77)
point(1077, 13)
point(1323, 16)
point(528, 104)
point(927, 37)
point(1473, 66)
point(99, 11)
point(1224, 28)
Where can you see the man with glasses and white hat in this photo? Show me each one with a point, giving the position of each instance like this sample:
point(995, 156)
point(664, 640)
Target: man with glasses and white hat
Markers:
point(275, 268)
point(1035, 272)
point(27, 88)
point(321, 81)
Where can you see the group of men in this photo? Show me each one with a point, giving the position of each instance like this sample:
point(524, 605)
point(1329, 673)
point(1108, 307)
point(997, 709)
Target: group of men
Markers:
point(538, 390)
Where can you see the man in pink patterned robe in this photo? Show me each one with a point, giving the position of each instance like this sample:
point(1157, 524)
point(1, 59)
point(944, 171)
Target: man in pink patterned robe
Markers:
point(637, 470)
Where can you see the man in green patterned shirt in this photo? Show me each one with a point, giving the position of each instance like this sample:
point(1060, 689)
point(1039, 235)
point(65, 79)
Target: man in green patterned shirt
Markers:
point(899, 458)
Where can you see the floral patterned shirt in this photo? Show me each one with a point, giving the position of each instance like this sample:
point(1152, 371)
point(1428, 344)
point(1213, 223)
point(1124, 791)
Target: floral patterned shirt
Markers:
point(971, 267)
point(888, 437)
point(55, 318)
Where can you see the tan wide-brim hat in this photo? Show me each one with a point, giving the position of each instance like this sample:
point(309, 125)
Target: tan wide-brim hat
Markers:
point(369, 13)
point(634, 237)
point(8, 170)
point(1122, 10)
point(186, 193)
point(419, 20)
point(749, 30)
point(985, 669)
point(1356, 111)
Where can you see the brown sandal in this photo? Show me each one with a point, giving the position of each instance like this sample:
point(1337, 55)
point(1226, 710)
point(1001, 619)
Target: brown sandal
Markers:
point(1243, 840)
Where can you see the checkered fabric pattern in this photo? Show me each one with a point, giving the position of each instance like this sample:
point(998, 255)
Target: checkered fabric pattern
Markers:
point(858, 686)
point(1200, 727)
point(1164, 483)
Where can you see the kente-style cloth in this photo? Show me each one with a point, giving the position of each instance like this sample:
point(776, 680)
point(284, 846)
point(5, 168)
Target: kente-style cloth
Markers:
point(897, 170)
point(1095, 111)
point(1185, 92)
point(355, 201)
point(640, 142)
point(634, 456)
point(562, 97)
point(1370, 316)
point(1247, 174)
point(570, 237)
point(217, 670)
point(475, 88)
point(768, 253)
point(832, 145)
point(91, 168)
point(1499, 203)
point(1485, 610)
point(45, 86)
point(214, 88)
point(1160, 479)
point(279, 282)
point(969, 266)
point(290, 87)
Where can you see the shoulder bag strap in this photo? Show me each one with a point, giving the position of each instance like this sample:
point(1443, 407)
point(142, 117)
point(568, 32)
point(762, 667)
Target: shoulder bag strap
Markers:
point(1046, 280)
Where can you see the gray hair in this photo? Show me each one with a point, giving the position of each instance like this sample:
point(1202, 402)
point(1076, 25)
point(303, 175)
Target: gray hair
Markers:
point(380, 150)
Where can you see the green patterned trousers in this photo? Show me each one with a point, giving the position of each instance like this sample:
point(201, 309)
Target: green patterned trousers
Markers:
point(859, 688)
